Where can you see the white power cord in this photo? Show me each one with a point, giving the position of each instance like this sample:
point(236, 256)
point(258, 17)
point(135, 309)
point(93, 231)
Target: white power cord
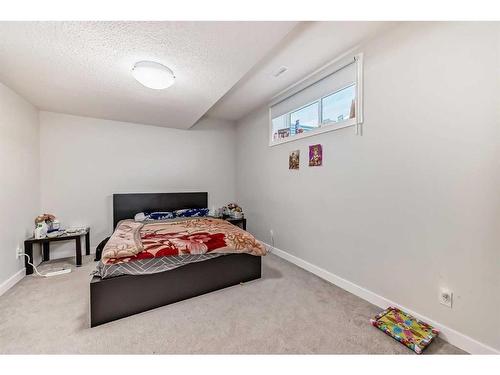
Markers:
point(48, 274)
point(271, 248)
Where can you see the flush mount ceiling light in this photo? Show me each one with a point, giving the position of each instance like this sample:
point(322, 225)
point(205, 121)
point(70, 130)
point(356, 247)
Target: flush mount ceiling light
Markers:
point(153, 75)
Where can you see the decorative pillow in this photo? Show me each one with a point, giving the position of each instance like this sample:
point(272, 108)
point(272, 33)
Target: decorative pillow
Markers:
point(140, 216)
point(151, 216)
point(409, 331)
point(191, 212)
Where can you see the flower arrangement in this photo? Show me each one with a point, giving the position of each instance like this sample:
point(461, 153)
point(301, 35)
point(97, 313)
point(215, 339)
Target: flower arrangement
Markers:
point(234, 207)
point(233, 210)
point(47, 218)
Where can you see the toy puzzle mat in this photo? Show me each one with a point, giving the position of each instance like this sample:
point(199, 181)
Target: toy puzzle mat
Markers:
point(406, 329)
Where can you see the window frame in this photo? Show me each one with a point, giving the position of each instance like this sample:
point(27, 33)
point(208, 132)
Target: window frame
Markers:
point(331, 125)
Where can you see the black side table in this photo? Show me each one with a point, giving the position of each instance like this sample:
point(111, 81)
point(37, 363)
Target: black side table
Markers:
point(45, 242)
point(242, 223)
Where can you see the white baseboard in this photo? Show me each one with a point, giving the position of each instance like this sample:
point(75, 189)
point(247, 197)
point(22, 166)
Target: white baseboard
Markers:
point(450, 335)
point(11, 281)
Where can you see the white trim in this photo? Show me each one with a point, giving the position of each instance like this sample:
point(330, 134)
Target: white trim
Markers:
point(359, 93)
point(13, 280)
point(450, 335)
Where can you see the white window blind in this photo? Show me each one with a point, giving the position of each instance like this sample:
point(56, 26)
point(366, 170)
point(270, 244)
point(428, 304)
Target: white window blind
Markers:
point(334, 82)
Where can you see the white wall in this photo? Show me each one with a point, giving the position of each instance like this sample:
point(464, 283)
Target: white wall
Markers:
point(85, 160)
point(413, 204)
point(19, 181)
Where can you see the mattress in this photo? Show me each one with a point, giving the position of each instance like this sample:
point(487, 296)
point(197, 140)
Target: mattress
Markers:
point(149, 266)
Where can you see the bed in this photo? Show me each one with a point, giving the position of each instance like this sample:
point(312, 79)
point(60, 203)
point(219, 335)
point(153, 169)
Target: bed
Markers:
point(121, 296)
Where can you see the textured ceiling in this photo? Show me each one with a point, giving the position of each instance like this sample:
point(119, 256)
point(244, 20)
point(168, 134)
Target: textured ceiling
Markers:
point(83, 68)
point(308, 47)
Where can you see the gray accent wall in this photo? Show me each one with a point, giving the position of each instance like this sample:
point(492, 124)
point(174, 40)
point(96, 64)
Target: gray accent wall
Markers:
point(412, 205)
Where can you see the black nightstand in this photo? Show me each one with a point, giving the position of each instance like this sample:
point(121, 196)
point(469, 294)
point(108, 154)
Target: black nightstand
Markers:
point(242, 223)
point(45, 242)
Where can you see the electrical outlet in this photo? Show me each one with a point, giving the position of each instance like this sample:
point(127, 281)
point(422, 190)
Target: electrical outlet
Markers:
point(272, 233)
point(19, 253)
point(445, 297)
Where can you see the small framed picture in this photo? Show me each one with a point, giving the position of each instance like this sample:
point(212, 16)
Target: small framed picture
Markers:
point(294, 160)
point(315, 155)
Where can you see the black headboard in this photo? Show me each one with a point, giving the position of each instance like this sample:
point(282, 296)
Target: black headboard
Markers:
point(125, 206)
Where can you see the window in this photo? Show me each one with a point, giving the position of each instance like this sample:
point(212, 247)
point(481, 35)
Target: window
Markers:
point(304, 119)
point(333, 108)
point(330, 102)
point(339, 106)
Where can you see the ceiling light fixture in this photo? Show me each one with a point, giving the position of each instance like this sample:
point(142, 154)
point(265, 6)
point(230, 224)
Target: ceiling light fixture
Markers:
point(153, 75)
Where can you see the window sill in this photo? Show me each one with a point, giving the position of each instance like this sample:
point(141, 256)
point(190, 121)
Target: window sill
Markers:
point(325, 129)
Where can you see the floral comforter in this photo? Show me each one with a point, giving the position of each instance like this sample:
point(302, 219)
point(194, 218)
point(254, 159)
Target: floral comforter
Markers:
point(137, 241)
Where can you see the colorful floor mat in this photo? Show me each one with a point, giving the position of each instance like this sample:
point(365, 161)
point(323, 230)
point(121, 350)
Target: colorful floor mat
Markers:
point(409, 331)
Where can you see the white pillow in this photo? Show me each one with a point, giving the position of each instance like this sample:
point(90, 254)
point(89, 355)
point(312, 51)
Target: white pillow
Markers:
point(140, 216)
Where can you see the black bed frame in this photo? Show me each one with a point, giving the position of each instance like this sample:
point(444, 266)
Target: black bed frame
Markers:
point(122, 296)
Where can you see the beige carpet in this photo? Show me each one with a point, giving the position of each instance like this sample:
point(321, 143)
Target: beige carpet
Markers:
point(288, 311)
